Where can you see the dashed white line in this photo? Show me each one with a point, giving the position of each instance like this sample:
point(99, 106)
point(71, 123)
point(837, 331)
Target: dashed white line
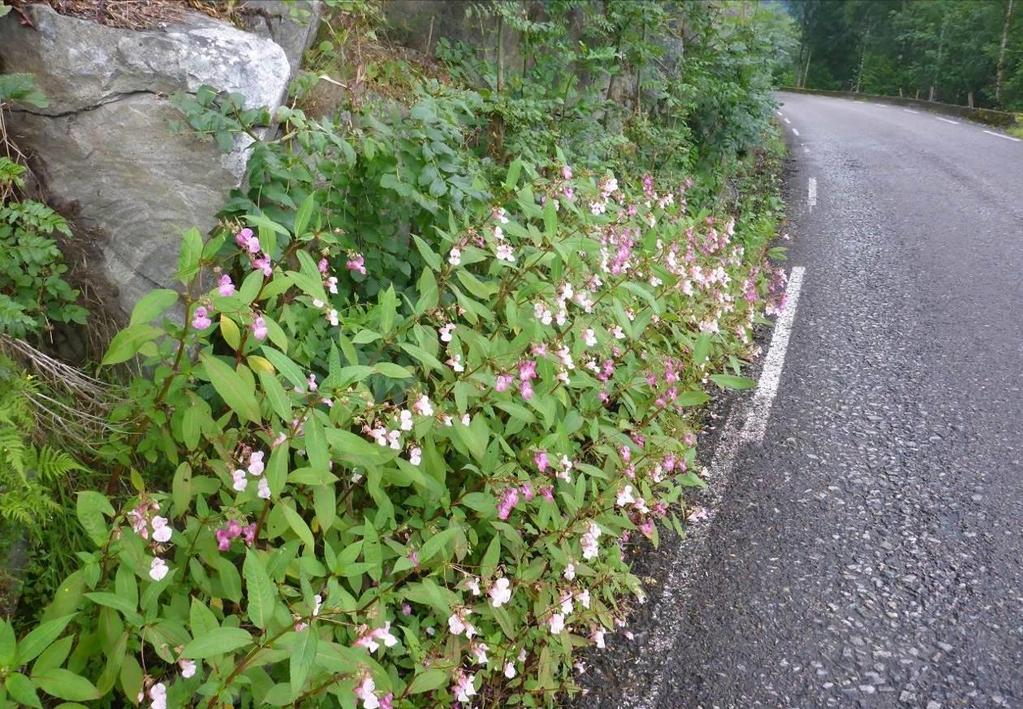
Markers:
point(1007, 137)
point(806, 149)
point(795, 131)
point(947, 120)
point(778, 113)
point(811, 194)
point(910, 110)
point(785, 118)
point(770, 377)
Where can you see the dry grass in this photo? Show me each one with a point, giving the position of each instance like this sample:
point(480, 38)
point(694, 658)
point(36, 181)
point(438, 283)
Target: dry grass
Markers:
point(138, 14)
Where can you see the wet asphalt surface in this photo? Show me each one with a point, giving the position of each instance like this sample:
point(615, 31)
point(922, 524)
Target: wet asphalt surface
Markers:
point(869, 553)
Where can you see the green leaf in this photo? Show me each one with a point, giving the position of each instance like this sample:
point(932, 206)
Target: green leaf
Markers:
point(152, 304)
point(702, 348)
point(128, 341)
point(491, 557)
point(230, 332)
point(429, 255)
point(201, 619)
point(91, 507)
point(65, 684)
point(284, 364)
point(260, 591)
point(429, 296)
point(261, 220)
point(40, 638)
point(303, 656)
point(181, 489)
point(230, 579)
point(428, 681)
point(692, 398)
point(232, 388)
point(512, 178)
point(217, 642)
point(8, 644)
point(394, 371)
point(275, 394)
point(21, 688)
point(191, 253)
point(112, 600)
point(423, 356)
point(437, 542)
point(730, 381)
point(299, 526)
point(304, 214)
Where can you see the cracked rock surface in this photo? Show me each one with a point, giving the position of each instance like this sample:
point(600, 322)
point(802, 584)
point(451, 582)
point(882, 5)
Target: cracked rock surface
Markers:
point(104, 147)
point(868, 553)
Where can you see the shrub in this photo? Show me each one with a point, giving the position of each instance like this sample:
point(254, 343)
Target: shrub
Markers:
point(411, 501)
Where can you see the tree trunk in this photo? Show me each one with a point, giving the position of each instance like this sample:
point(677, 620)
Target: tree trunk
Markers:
point(863, 57)
point(941, 53)
point(969, 99)
point(1000, 74)
point(806, 68)
point(500, 54)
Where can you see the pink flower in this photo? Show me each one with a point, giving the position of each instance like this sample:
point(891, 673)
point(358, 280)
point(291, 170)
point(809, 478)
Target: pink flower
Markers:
point(365, 691)
point(509, 499)
point(187, 668)
point(247, 240)
point(527, 370)
point(200, 320)
point(356, 263)
point(463, 688)
point(259, 329)
point(263, 264)
point(526, 390)
point(223, 539)
point(225, 286)
point(322, 266)
point(503, 382)
point(566, 172)
point(249, 534)
point(541, 460)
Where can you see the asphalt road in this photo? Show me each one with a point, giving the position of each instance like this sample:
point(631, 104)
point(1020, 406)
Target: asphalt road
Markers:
point(869, 552)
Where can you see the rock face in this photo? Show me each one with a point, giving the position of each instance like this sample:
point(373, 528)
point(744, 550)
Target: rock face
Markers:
point(291, 25)
point(105, 148)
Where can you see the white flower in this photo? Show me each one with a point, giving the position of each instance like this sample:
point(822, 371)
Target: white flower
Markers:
point(256, 466)
point(625, 497)
point(240, 481)
point(318, 304)
point(332, 284)
point(566, 603)
point(317, 604)
point(479, 651)
point(466, 419)
point(263, 489)
point(570, 572)
point(332, 317)
point(557, 623)
point(589, 337)
point(423, 407)
point(618, 333)
point(509, 670)
point(473, 584)
point(158, 695)
point(500, 592)
point(161, 530)
point(415, 455)
point(394, 439)
point(187, 668)
point(455, 256)
point(405, 420)
point(158, 569)
point(597, 208)
point(504, 252)
point(457, 623)
point(445, 332)
point(365, 691)
point(598, 638)
point(455, 362)
point(464, 688)
point(584, 598)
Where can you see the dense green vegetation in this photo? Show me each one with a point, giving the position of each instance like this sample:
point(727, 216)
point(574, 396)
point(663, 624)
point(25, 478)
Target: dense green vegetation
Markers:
point(415, 401)
point(955, 51)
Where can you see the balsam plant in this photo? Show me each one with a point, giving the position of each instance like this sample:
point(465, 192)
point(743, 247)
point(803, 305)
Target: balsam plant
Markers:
point(417, 501)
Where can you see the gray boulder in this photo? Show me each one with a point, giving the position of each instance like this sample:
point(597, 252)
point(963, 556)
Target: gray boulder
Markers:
point(292, 25)
point(105, 148)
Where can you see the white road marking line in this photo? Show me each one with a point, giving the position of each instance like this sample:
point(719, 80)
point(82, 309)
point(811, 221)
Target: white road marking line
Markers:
point(795, 132)
point(778, 113)
point(661, 638)
point(1007, 137)
point(786, 120)
point(806, 149)
point(947, 120)
point(910, 110)
point(811, 193)
point(767, 388)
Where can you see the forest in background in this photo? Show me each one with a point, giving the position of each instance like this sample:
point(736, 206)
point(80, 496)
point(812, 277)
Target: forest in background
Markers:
point(967, 52)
